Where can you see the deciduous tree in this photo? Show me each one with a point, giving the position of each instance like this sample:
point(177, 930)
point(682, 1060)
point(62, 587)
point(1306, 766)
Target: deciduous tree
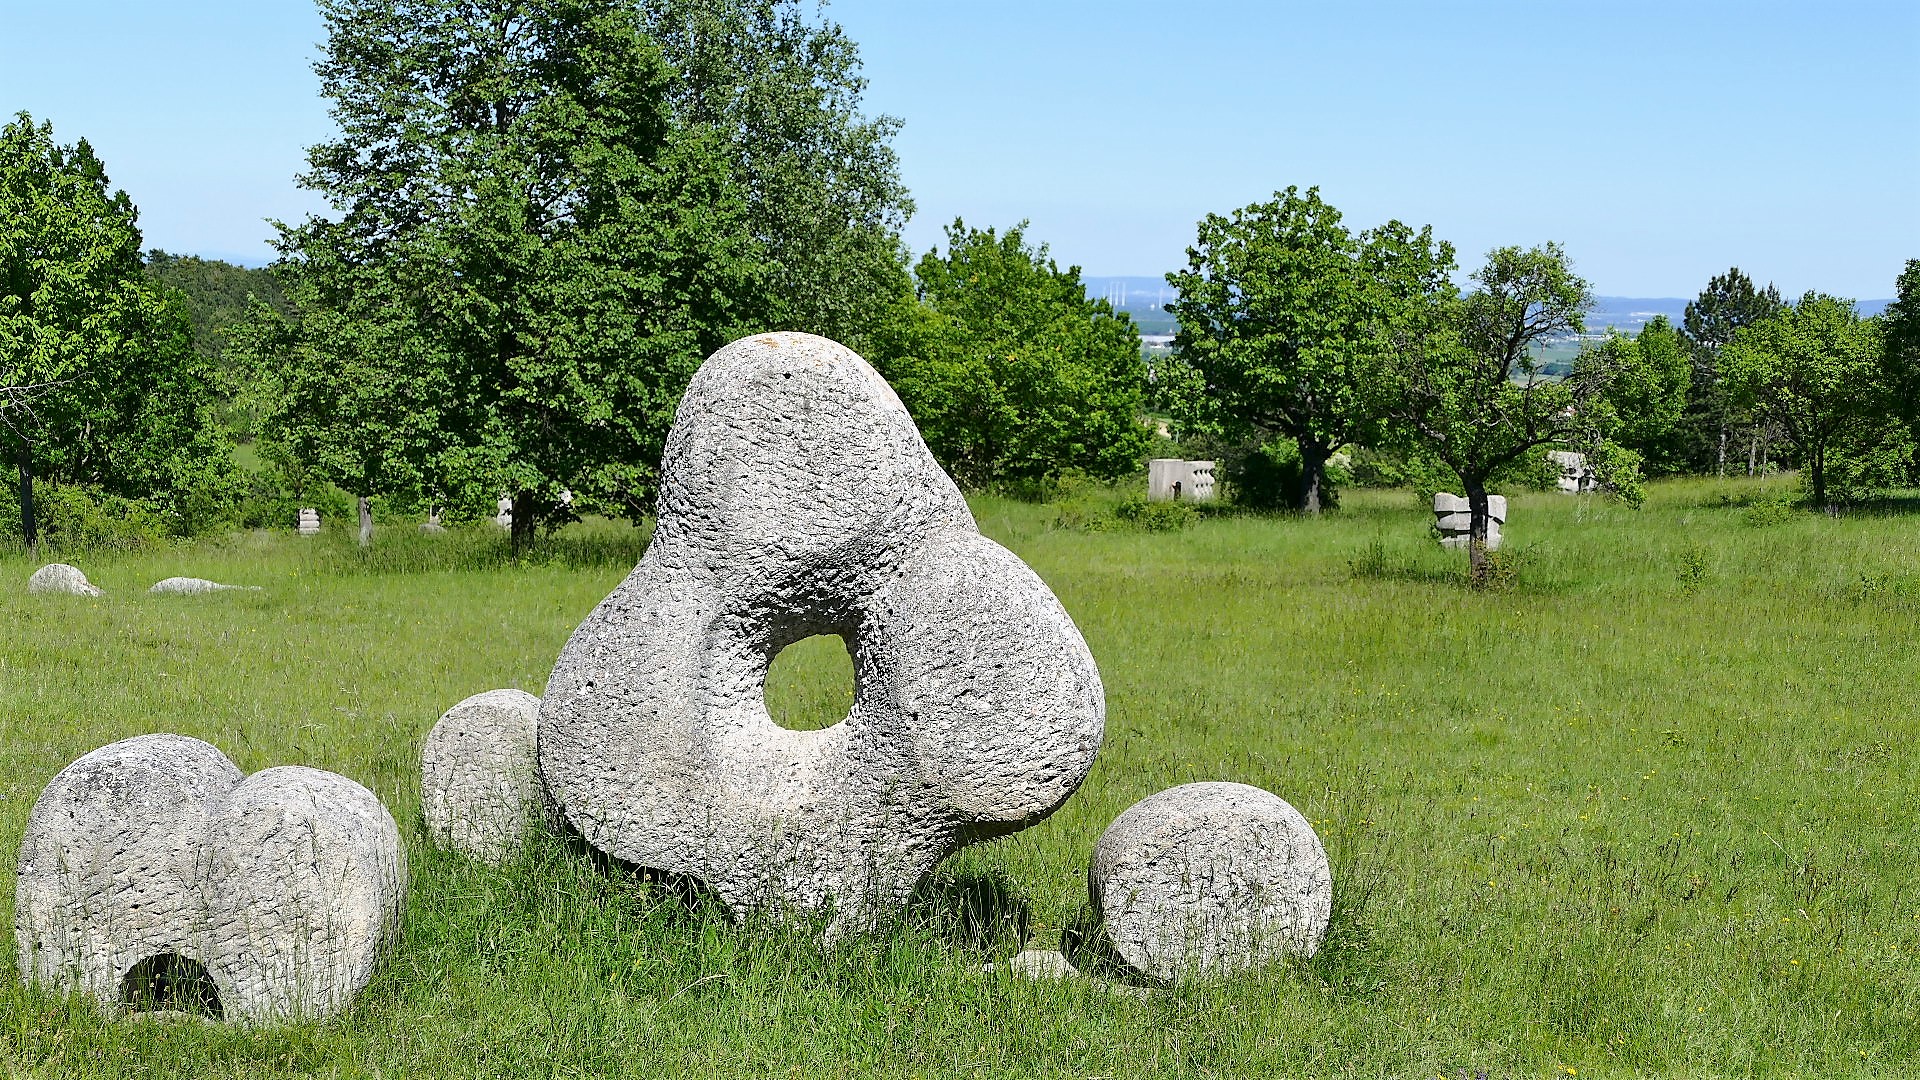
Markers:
point(1285, 316)
point(1814, 369)
point(106, 388)
point(1010, 370)
point(528, 258)
point(1463, 385)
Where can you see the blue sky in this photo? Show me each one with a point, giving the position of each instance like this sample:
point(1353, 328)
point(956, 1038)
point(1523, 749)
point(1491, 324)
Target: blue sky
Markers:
point(1660, 143)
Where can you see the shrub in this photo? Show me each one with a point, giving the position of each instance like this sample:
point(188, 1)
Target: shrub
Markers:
point(74, 518)
point(1155, 516)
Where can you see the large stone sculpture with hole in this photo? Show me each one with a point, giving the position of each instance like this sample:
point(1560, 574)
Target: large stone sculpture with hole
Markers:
point(478, 784)
point(797, 498)
point(1208, 879)
point(153, 867)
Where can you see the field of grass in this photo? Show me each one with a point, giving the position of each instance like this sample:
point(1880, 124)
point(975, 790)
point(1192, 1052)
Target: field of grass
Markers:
point(1649, 809)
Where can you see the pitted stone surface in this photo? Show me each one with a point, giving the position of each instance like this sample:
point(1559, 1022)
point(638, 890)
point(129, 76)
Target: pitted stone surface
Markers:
point(479, 782)
point(193, 586)
point(284, 885)
point(61, 578)
point(798, 498)
point(1208, 879)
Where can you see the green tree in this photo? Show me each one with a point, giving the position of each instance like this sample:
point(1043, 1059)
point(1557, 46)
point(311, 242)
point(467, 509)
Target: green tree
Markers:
point(1900, 358)
point(1012, 373)
point(1285, 316)
point(528, 258)
point(1463, 386)
point(1651, 374)
point(105, 388)
point(1728, 303)
point(1813, 369)
point(781, 91)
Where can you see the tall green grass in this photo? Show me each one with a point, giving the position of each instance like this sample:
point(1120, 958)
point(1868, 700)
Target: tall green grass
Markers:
point(1646, 809)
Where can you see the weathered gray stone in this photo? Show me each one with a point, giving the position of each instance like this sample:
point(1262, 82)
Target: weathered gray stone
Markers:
point(798, 498)
point(1453, 517)
point(192, 586)
point(284, 886)
point(1041, 965)
point(479, 782)
point(307, 522)
point(1176, 479)
point(1209, 879)
point(59, 578)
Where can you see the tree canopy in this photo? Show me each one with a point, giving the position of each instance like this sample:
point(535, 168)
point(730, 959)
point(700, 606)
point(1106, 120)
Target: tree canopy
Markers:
point(1012, 373)
point(1463, 386)
point(118, 399)
point(1813, 368)
point(1285, 315)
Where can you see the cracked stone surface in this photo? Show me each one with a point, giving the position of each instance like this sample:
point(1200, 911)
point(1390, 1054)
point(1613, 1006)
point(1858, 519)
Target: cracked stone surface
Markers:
point(61, 578)
point(286, 885)
point(193, 586)
point(479, 782)
point(798, 498)
point(1209, 879)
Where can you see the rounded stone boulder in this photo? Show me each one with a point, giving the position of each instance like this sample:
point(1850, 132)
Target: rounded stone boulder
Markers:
point(59, 578)
point(152, 869)
point(193, 586)
point(479, 774)
point(798, 498)
point(1209, 879)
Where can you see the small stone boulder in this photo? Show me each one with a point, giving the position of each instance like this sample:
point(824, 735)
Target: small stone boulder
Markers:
point(153, 858)
point(59, 578)
point(479, 774)
point(1209, 879)
point(193, 586)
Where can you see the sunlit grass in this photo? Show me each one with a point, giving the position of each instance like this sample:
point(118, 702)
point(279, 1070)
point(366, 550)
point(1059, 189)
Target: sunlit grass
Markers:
point(1648, 810)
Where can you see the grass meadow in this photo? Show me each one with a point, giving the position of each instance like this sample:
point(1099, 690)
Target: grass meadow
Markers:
point(1646, 809)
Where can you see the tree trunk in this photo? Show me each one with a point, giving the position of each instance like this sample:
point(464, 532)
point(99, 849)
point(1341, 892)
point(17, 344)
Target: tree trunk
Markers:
point(366, 521)
point(1817, 478)
point(1723, 450)
point(29, 526)
point(1753, 452)
point(1477, 521)
point(1313, 474)
point(523, 521)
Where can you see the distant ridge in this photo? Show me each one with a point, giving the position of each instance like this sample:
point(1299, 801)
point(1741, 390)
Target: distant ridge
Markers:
point(1142, 297)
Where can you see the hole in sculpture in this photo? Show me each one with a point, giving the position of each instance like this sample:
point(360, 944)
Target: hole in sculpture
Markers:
point(810, 684)
point(170, 982)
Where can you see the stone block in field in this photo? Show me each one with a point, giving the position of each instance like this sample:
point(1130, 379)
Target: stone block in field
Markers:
point(798, 498)
point(152, 869)
point(479, 782)
point(61, 579)
point(1171, 479)
point(1453, 517)
point(1208, 879)
point(1575, 476)
point(193, 586)
point(307, 521)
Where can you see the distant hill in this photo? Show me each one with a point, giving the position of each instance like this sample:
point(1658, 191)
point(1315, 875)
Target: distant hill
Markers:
point(1144, 299)
point(217, 293)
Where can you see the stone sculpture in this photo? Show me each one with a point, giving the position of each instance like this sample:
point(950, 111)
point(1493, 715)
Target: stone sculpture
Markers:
point(1453, 516)
point(193, 586)
point(1209, 879)
point(307, 522)
point(479, 786)
point(153, 858)
point(59, 578)
point(1574, 477)
point(797, 498)
point(1171, 479)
